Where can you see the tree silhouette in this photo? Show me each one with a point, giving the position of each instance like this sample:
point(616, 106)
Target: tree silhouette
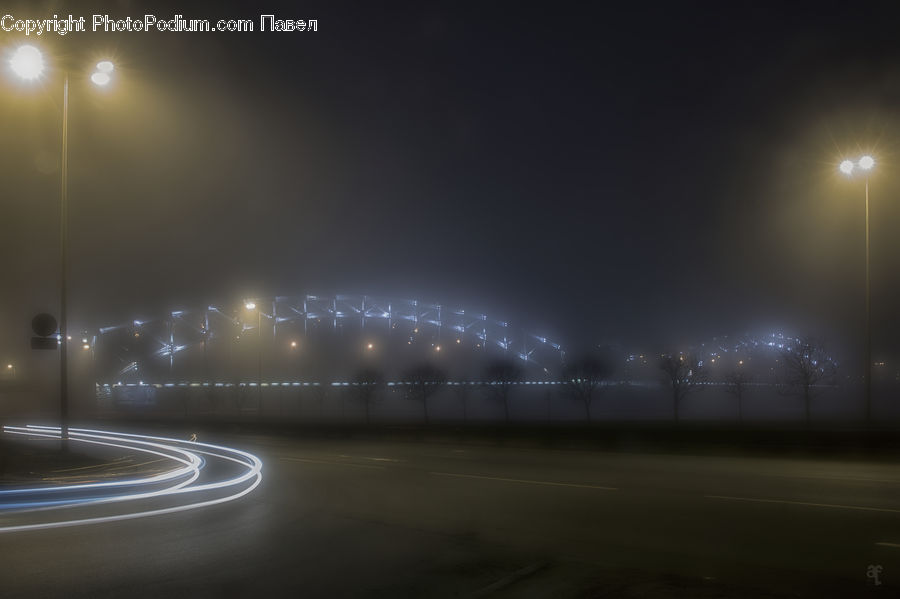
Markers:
point(366, 385)
point(462, 393)
point(683, 373)
point(806, 366)
point(736, 383)
point(422, 382)
point(584, 376)
point(500, 376)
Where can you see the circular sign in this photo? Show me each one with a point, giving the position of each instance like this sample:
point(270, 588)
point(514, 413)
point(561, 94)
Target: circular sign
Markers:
point(43, 325)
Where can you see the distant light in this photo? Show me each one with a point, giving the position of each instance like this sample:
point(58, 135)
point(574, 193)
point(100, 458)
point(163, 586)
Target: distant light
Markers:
point(866, 162)
point(846, 167)
point(293, 344)
point(100, 79)
point(9, 366)
point(86, 346)
point(437, 348)
point(370, 346)
point(250, 305)
point(27, 62)
point(69, 337)
point(84, 340)
point(459, 340)
point(105, 66)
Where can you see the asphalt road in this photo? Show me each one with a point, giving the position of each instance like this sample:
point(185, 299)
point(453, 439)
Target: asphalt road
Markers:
point(339, 518)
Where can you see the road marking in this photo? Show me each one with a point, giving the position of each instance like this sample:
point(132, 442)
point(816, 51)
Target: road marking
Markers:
point(525, 482)
point(886, 544)
point(509, 580)
point(854, 479)
point(332, 463)
point(365, 457)
point(864, 508)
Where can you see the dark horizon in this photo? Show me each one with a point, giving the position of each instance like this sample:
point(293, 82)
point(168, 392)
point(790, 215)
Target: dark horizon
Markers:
point(655, 179)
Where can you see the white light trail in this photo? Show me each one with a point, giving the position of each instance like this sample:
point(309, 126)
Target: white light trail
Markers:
point(242, 484)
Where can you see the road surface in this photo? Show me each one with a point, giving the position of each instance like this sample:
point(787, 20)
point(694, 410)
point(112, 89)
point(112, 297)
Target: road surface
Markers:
point(346, 518)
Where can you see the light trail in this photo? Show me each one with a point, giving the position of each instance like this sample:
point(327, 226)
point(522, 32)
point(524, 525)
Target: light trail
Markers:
point(191, 461)
point(241, 485)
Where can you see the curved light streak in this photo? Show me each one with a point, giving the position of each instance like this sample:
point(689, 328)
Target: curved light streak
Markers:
point(252, 474)
point(192, 462)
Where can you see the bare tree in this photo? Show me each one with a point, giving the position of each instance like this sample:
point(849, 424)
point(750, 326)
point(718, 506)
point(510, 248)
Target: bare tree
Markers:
point(462, 393)
point(184, 398)
point(736, 383)
point(366, 384)
point(320, 392)
point(583, 378)
point(423, 381)
point(500, 376)
point(243, 398)
point(684, 373)
point(806, 367)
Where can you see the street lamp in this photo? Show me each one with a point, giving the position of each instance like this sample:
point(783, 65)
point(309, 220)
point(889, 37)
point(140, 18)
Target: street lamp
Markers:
point(251, 305)
point(27, 62)
point(865, 164)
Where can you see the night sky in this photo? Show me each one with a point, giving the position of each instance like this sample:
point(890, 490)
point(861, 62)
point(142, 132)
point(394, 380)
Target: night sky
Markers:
point(649, 174)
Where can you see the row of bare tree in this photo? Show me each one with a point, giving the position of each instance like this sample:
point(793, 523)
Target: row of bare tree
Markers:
point(806, 368)
point(424, 380)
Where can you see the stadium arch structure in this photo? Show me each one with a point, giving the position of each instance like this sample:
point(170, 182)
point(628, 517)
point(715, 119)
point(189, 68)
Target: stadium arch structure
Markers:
point(309, 338)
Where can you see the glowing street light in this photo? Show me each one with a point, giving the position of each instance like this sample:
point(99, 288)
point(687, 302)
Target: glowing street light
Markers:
point(27, 62)
point(250, 305)
point(370, 346)
point(100, 79)
point(866, 164)
point(293, 344)
point(846, 167)
point(103, 75)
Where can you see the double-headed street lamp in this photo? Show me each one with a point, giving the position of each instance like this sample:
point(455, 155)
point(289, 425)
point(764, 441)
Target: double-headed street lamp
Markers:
point(849, 168)
point(28, 63)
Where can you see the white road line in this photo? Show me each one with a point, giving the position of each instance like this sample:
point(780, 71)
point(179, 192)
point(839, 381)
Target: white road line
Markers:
point(332, 463)
point(886, 544)
point(524, 481)
point(863, 508)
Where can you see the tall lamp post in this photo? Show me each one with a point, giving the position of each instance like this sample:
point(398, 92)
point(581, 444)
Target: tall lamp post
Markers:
point(28, 63)
point(848, 167)
point(250, 305)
